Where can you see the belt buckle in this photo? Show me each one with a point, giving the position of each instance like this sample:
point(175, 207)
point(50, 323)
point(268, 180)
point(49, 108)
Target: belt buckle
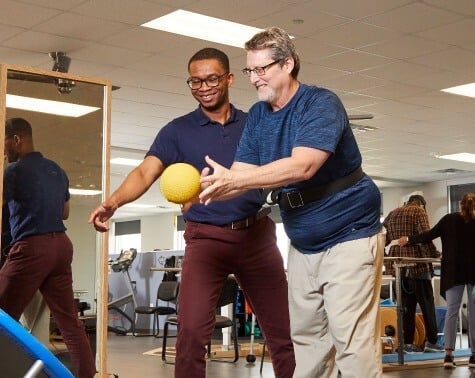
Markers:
point(295, 199)
point(243, 223)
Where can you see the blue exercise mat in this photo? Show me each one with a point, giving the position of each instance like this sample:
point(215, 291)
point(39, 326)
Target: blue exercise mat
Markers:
point(22, 353)
point(393, 357)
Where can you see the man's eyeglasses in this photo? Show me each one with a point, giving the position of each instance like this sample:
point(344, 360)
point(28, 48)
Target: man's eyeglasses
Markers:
point(259, 71)
point(212, 81)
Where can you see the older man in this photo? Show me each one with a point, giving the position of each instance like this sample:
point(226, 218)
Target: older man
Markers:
point(298, 138)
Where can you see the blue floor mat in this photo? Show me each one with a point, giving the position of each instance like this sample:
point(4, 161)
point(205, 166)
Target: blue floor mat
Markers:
point(393, 357)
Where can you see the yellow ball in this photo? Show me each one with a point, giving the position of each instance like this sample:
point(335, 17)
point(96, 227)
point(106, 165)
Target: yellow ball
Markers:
point(180, 182)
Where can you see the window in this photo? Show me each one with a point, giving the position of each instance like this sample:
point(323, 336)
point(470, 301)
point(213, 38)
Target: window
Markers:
point(455, 194)
point(127, 235)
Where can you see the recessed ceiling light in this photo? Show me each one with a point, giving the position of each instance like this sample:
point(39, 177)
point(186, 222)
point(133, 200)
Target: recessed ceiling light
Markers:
point(199, 26)
point(125, 161)
point(48, 106)
point(462, 156)
point(462, 90)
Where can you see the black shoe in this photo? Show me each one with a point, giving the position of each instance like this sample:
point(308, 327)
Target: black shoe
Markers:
point(449, 362)
point(429, 347)
point(471, 361)
point(412, 349)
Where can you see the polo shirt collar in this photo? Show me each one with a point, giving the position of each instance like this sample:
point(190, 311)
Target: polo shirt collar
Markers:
point(203, 120)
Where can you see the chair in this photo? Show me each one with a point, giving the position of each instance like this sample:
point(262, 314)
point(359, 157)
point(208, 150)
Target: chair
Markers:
point(263, 356)
point(228, 297)
point(167, 292)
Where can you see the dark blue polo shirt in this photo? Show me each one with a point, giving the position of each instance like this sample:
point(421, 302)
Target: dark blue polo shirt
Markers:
point(188, 139)
point(35, 190)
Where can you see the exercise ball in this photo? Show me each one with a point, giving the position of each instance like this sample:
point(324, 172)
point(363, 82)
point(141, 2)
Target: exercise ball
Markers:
point(180, 183)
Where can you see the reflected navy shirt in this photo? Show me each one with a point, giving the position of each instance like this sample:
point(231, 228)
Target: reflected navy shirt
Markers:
point(35, 190)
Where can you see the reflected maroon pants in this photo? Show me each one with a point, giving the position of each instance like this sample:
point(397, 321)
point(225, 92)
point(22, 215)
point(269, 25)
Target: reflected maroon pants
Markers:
point(250, 254)
point(43, 262)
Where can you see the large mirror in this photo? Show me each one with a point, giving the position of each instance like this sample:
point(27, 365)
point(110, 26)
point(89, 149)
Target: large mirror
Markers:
point(80, 144)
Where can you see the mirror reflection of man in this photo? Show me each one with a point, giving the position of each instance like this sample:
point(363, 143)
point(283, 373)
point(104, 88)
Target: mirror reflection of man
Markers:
point(36, 192)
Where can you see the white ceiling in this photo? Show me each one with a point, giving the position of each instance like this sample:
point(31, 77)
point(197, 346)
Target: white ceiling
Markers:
point(388, 58)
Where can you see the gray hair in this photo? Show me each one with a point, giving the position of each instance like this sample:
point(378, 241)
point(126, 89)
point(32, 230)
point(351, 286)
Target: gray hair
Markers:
point(280, 44)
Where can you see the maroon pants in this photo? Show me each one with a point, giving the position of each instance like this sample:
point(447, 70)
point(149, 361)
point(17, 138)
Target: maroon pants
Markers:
point(250, 254)
point(44, 262)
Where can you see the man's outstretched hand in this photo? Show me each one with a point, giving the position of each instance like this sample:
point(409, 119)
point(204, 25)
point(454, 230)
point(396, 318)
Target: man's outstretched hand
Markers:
point(101, 214)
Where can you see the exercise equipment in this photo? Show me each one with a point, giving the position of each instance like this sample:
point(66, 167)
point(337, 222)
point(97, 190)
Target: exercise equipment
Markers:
point(389, 326)
point(251, 358)
point(180, 183)
point(117, 307)
point(23, 355)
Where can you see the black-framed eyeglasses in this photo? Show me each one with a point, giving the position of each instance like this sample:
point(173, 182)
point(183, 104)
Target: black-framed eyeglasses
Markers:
point(212, 81)
point(259, 71)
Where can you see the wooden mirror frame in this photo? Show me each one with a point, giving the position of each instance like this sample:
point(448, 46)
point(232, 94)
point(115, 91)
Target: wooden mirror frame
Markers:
point(102, 239)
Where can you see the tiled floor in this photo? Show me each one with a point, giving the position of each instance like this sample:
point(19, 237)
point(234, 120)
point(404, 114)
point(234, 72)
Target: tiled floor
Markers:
point(126, 358)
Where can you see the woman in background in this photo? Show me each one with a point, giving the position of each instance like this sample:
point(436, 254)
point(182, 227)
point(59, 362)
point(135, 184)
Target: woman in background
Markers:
point(457, 233)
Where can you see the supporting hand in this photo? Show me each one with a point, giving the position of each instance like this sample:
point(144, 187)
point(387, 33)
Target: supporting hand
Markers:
point(217, 185)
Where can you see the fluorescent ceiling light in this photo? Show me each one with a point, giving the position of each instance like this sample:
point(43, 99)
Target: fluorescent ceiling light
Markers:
point(204, 27)
point(139, 205)
point(47, 106)
point(84, 192)
point(359, 129)
point(125, 161)
point(462, 90)
point(463, 156)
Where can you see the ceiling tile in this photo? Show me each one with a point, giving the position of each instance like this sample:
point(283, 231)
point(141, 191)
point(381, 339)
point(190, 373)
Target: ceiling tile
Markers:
point(407, 46)
point(466, 7)
point(357, 10)
point(460, 33)
point(44, 43)
point(453, 58)
point(353, 61)
point(134, 12)
point(79, 26)
point(16, 13)
point(355, 35)
point(407, 19)
point(353, 83)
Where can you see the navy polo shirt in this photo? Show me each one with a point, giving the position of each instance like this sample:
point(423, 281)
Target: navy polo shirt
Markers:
point(188, 139)
point(35, 190)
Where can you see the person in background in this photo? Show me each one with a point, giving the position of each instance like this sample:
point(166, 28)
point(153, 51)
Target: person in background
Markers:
point(36, 191)
point(229, 237)
point(457, 232)
point(298, 138)
point(411, 219)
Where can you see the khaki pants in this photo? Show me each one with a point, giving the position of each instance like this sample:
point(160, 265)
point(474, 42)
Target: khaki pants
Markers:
point(334, 309)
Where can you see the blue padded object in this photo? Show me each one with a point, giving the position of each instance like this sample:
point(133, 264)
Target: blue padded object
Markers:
point(392, 358)
point(20, 340)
